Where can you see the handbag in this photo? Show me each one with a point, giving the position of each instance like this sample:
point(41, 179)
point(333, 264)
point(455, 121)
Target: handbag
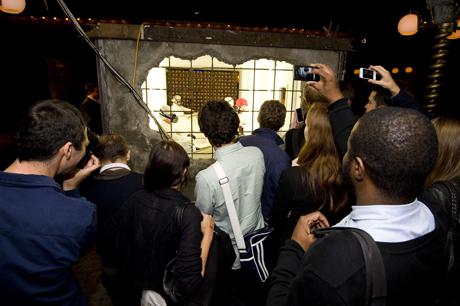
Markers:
point(376, 286)
point(169, 279)
point(254, 247)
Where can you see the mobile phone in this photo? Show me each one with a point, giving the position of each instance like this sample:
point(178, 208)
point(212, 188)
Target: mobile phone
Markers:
point(299, 114)
point(305, 73)
point(365, 73)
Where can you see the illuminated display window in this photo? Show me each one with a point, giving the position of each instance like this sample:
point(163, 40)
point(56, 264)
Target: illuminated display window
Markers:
point(187, 84)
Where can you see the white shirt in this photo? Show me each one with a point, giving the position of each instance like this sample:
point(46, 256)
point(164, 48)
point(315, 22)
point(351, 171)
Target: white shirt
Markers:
point(391, 223)
point(114, 165)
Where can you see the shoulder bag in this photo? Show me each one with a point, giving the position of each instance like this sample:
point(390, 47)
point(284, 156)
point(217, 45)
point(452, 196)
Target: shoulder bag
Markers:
point(254, 248)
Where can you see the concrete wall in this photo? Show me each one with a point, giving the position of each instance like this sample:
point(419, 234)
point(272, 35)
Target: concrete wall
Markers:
point(120, 111)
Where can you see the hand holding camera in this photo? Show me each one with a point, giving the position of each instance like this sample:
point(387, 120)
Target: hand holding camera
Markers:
point(303, 232)
point(328, 85)
point(386, 81)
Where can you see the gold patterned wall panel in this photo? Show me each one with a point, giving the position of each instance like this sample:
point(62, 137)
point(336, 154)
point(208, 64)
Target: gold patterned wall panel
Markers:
point(196, 87)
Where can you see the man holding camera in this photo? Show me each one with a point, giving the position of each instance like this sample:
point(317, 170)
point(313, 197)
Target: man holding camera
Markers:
point(44, 228)
point(387, 174)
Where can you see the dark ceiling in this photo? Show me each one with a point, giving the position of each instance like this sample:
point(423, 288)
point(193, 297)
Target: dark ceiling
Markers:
point(360, 17)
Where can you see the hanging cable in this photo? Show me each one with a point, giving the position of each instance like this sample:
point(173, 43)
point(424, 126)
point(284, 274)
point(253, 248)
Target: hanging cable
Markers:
point(136, 52)
point(112, 69)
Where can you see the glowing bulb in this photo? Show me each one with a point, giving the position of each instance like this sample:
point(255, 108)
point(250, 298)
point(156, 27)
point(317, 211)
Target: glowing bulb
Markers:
point(408, 25)
point(13, 6)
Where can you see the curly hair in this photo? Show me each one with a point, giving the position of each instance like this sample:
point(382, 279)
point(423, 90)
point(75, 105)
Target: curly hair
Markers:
point(219, 122)
point(272, 115)
point(398, 147)
point(47, 127)
point(166, 165)
point(320, 160)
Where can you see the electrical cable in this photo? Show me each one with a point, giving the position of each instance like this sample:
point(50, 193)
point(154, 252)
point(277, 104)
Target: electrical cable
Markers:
point(112, 69)
point(137, 51)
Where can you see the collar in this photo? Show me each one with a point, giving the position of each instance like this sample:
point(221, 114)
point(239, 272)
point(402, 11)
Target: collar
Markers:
point(114, 165)
point(222, 151)
point(270, 134)
point(391, 223)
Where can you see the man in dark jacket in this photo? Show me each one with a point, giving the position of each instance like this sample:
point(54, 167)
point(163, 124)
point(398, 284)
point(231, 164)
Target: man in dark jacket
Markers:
point(109, 189)
point(387, 173)
point(271, 118)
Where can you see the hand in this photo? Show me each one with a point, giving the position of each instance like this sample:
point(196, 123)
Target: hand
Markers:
point(78, 176)
point(386, 81)
point(328, 85)
point(207, 224)
point(303, 231)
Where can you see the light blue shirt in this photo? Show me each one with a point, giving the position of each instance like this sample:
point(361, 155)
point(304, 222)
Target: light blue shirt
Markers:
point(391, 223)
point(245, 168)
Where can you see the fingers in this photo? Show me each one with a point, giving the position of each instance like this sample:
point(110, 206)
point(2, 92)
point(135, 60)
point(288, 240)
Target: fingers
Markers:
point(92, 164)
point(382, 71)
point(322, 69)
point(314, 220)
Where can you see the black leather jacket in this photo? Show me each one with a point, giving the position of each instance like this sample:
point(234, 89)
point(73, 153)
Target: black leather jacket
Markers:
point(438, 197)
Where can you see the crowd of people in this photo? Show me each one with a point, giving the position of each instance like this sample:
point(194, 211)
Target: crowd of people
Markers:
point(393, 173)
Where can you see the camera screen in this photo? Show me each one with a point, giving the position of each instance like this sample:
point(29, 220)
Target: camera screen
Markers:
point(368, 74)
point(304, 73)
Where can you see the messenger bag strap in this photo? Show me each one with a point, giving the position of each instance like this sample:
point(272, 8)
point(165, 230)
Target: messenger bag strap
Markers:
point(376, 285)
point(224, 183)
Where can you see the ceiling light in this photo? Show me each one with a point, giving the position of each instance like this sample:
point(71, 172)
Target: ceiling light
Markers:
point(408, 25)
point(13, 6)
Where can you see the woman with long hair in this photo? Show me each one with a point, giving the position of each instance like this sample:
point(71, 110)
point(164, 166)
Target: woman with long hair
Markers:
point(316, 183)
point(448, 163)
point(442, 186)
point(152, 232)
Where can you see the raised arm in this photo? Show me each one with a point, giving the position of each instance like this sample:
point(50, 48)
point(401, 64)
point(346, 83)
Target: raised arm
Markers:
point(340, 114)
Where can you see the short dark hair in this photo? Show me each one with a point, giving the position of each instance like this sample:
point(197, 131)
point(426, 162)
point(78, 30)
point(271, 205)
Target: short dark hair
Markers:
point(398, 147)
point(111, 147)
point(272, 114)
point(219, 122)
point(47, 126)
point(382, 96)
point(166, 164)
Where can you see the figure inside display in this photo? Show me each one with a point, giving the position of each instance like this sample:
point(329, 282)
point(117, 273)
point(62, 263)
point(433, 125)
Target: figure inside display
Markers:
point(174, 117)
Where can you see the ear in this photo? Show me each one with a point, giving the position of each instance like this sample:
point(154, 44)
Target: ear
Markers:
point(128, 155)
point(67, 150)
point(358, 170)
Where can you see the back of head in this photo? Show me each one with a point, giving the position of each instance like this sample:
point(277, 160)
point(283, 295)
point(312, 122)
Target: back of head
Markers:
point(321, 161)
point(47, 127)
point(311, 95)
point(219, 122)
point(381, 96)
point(398, 147)
point(448, 163)
point(166, 165)
point(111, 147)
point(272, 115)
point(347, 89)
